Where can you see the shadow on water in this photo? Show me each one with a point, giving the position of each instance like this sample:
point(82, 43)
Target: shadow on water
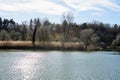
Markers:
point(109, 52)
point(116, 53)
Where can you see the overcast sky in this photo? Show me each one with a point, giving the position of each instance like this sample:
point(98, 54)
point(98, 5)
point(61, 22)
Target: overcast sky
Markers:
point(107, 11)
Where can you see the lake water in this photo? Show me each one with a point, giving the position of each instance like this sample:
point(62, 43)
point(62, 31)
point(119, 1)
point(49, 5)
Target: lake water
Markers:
point(55, 65)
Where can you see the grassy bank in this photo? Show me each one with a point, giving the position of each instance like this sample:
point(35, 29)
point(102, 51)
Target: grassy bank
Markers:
point(27, 45)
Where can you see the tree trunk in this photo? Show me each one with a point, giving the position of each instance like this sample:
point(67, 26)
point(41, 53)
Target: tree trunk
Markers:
point(33, 37)
point(86, 47)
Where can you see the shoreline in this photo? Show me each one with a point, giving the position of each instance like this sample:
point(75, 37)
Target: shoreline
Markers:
point(50, 49)
point(52, 46)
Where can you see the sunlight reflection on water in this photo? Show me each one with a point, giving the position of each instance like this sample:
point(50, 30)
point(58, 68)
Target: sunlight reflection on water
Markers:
point(27, 65)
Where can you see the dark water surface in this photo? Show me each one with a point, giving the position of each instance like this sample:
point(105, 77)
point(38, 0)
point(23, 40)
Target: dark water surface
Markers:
point(55, 65)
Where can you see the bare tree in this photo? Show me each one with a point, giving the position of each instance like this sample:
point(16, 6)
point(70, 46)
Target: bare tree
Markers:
point(37, 24)
point(67, 25)
point(85, 36)
point(116, 42)
point(24, 31)
point(4, 36)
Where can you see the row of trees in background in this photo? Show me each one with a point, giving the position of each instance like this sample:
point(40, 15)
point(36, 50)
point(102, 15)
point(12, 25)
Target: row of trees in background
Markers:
point(87, 34)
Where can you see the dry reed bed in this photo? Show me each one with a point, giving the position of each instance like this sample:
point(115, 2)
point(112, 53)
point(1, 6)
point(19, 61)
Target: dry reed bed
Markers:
point(15, 43)
point(29, 44)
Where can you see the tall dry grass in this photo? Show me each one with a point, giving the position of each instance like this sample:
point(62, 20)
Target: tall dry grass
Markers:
point(40, 45)
point(15, 43)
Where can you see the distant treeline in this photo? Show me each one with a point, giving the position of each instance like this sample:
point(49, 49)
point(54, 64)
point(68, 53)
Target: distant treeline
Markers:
point(94, 34)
